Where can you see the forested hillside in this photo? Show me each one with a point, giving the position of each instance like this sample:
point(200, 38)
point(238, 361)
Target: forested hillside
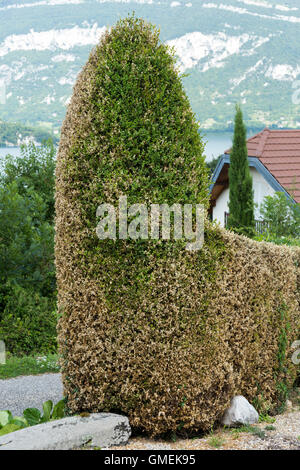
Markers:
point(233, 51)
point(16, 134)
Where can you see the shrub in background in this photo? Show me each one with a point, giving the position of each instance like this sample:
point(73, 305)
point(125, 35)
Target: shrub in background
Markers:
point(282, 216)
point(28, 321)
point(212, 164)
point(27, 274)
point(163, 335)
point(272, 238)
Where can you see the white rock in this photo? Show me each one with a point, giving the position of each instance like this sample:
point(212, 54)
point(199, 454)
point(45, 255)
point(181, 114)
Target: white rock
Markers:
point(289, 405)
point(240, 412)
point(98, 429)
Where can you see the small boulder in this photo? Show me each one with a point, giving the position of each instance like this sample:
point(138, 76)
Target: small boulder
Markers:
point(240, 412)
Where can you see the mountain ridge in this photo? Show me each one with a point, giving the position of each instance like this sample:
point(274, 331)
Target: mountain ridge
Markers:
point(234, 51)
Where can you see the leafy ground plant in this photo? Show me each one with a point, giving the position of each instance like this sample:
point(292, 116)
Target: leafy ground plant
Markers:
point(31, 417)
point(28, 365)
point(216, 441)
point(265, 418)
point(256, 431)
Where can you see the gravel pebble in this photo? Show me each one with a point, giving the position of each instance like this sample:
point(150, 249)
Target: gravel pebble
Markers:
point(285, 436)
point(29, 391)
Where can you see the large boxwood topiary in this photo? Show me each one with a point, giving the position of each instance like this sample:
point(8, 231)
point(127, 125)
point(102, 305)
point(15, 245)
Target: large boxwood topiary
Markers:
point(164, 335)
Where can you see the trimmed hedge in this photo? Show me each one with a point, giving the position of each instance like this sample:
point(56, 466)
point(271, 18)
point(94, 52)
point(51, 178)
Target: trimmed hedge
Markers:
point(147, 328)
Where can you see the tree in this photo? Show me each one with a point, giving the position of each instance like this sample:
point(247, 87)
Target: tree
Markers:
point(241, 202)
point(212, 164)
point(33, 171)
point(282, 215)
point(27, 274)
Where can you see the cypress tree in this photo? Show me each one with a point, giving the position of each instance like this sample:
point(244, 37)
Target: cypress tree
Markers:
point(241, 202)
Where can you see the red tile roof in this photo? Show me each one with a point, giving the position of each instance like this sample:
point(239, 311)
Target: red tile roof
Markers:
point(279, 152)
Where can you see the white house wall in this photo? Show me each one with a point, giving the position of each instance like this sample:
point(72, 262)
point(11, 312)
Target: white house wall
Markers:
point(261, 189)
point(221, 207)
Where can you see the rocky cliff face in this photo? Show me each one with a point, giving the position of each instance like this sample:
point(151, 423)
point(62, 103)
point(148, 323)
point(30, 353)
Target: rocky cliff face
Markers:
point(234, 51)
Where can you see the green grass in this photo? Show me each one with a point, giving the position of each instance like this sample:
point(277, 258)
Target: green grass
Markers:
point(265, 418)
point(216, 441)
point(28, 365)
point(256, 431)
point(270, 428)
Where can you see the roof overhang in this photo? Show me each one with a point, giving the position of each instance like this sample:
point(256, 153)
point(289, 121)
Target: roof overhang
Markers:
point(253, 162)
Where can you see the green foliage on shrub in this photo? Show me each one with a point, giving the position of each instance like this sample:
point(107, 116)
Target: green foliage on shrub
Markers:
point(31, 417)
point(272, 238)
point(163, 335)
point(33, 171)
point(28, 320)
point(27, 274)
point(283, 221)
point(212, 164)
point(282, 216)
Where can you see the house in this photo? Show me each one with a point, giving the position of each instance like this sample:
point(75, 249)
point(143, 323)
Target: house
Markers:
point(274, 161)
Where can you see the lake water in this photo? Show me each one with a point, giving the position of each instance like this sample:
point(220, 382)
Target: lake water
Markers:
point(216, 144)
point(12, 150)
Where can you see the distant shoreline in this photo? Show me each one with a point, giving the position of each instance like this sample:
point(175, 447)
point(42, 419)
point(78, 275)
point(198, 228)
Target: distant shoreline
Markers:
point(252, 130)
point(19, 146)
point(203, 132)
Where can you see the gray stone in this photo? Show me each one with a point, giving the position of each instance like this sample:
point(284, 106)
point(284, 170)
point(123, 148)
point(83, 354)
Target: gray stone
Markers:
point(99, 430)
point(240, 412)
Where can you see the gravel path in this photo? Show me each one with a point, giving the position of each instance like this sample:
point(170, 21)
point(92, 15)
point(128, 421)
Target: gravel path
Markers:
point(29, 391)
point(284, 436)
